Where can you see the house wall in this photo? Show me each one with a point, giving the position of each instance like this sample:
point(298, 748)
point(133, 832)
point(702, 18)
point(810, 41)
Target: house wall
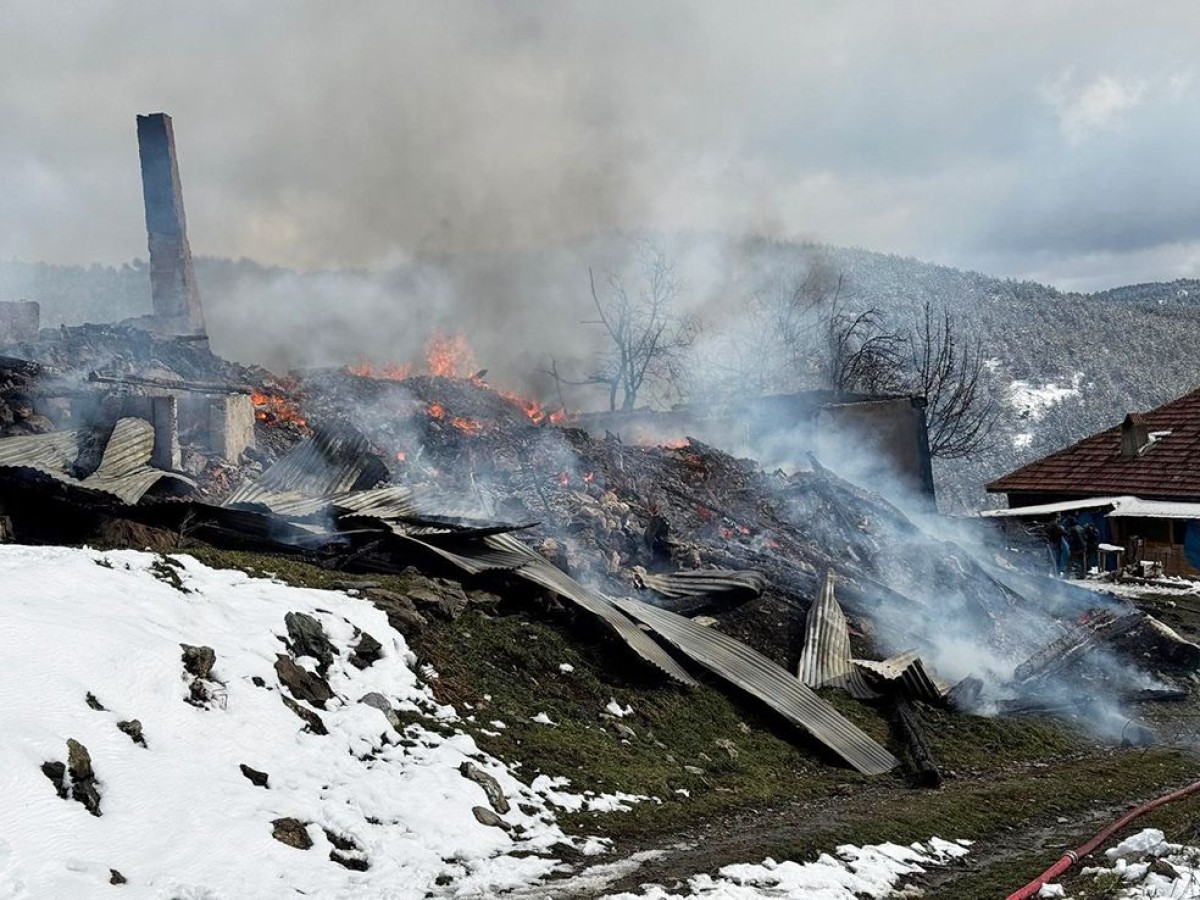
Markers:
point(1165, 542)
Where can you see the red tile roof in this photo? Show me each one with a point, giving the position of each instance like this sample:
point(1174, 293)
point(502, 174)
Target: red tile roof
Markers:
point(1168, 468)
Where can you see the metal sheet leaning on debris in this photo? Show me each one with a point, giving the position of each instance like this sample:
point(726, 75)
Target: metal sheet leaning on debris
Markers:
point(124, 472)
point(735, 662)
point(826, 658)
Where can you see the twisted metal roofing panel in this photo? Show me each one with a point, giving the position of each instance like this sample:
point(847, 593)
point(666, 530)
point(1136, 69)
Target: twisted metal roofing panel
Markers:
point(775, 686)
point(826, 658)
point(540, 571)
point(124, 471)
point(329, 463)
point(703, 582)
point(906, 671)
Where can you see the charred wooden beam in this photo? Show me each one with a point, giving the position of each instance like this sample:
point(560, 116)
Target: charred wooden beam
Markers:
point(193, 387)
point(909, 728)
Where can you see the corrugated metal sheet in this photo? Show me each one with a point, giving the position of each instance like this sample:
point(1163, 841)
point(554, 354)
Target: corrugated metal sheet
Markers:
point(540, 571)
point(124, 471)
point(702, 583)
point(826, 658)
point(473, 561)
point(752, 672)
point(331, 462)
point(906, 672)
point(50, 454)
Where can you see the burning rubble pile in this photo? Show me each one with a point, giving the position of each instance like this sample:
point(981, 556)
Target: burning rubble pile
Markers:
point(688, 556)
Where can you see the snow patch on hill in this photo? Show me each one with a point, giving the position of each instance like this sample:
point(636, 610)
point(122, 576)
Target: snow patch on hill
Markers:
point(1031, 402)
point(178, 816)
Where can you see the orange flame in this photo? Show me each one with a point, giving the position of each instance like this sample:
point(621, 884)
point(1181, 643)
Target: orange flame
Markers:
point(390, 372)
point(450, 357)
point(276, 410)
point(467, 426)
point(589, 477)
point(401, 456)
point(564, 478)
point(437, 411)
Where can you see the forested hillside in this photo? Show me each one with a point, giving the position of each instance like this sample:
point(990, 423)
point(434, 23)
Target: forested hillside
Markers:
point(1062, 365)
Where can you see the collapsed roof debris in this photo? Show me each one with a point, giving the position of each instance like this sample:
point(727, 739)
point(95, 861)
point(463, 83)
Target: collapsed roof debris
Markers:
point(124, 472)
point(905, 674)
point(699, 589)
point(754, 673)
point(826, 660)
point(435, 471)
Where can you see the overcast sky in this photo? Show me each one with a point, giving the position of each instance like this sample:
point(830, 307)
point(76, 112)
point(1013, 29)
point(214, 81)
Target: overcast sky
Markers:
point(1057, 141)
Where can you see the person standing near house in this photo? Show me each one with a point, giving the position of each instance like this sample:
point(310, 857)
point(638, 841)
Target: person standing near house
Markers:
point(1076, 544)
point(1054, 537)
point(1091, 541)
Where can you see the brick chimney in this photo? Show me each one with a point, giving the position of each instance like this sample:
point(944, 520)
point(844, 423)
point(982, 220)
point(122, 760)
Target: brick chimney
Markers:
point(176, 300)
point(1135, 435)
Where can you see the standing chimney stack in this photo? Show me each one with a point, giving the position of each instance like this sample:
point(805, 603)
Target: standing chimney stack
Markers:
point(177, 309)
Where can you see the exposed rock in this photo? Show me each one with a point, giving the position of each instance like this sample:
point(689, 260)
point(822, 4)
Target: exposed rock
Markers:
point(1164, 869)
point(728, 746)
point(366, 651)
point(401, 611)
point(315, 724)
point(346, 853)
point(198, 694)
point(303, 684)
point(133, 728)
point(381, 703)
point(484, 600)
point(257, 778)
point(438, 597)
point(485, 816)
point(57, 773)
point(625, 731)
point(491, 787)
point(83, 777)
point(95, 704)
point(292, 832)
point(693, 770)
point(308, 638)
point(198, 661)
point(115, 877)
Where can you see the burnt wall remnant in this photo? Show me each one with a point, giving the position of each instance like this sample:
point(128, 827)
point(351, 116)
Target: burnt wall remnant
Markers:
point(886, 436)
point(173, 291)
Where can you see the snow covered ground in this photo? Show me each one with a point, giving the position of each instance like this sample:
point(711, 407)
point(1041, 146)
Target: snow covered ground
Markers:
point(178, 818)
point(855, 872)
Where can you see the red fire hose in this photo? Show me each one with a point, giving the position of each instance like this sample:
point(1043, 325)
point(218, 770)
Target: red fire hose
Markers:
point(1072, 856)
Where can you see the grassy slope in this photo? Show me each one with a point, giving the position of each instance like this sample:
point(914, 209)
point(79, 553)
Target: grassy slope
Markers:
point(785, 797)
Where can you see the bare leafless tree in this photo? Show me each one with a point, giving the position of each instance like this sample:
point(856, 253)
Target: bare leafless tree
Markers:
point(951, 373)
point(860, 355)
point(647, 337)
